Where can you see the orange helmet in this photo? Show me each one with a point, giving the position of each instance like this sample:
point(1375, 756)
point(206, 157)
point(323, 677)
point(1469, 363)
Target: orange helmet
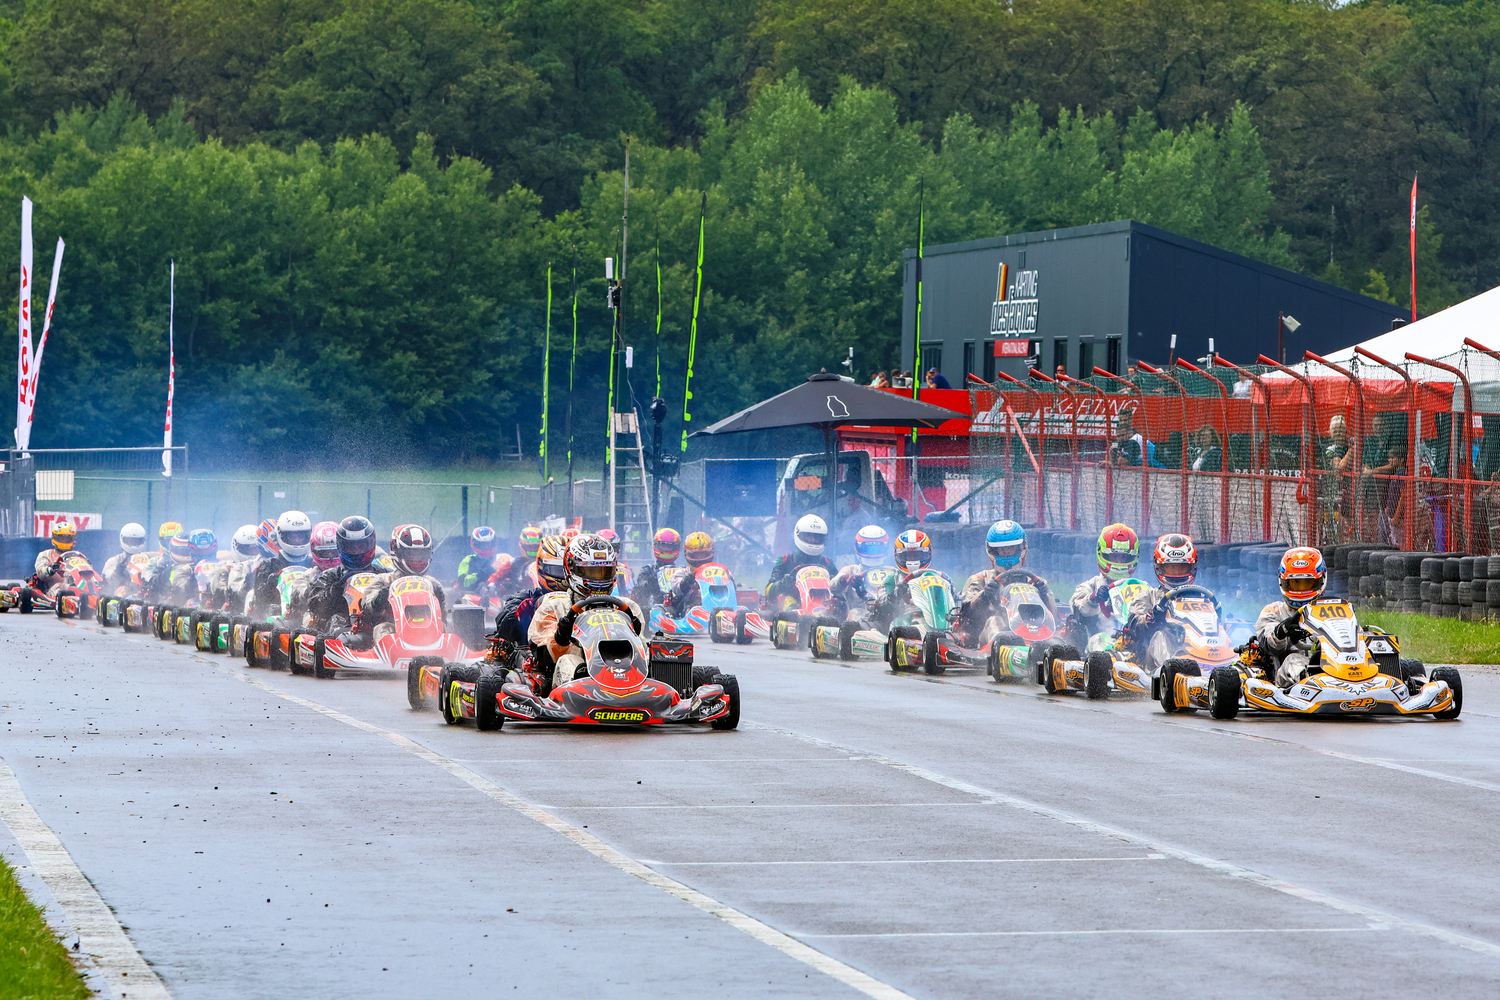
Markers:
point(1176, 560)
point(549, 564)
point(1303, 575)
point(64, 535)
point(699, 548)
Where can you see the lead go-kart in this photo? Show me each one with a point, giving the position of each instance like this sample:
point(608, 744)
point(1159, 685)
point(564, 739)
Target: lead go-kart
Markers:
point(718, 613)
point(1193, 635)
point(75, 594)
point(1353, 670)
point(623, 681)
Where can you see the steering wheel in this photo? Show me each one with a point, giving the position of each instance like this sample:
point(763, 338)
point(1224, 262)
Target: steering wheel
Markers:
point(603, 601)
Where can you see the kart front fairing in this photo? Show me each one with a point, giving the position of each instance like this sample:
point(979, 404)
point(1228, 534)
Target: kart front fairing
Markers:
point(1324, 694)
point(418, 631)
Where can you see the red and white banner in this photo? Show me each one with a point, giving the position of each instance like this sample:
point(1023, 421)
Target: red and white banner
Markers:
point(1012, 348)
point(36, 362)
point(46, 519)
point(24, 361)
point(166, 441)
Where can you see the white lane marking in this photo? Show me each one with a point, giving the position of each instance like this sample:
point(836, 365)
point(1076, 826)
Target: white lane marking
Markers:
point(771, 805)
point(554, 761)
point(100, 935)
point(901, 861)
point(1386, 763)
point(764, 933)
point(1212, 864)
point(1364, 929)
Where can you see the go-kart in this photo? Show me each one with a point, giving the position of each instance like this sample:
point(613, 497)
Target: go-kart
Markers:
point(718, 613)
point(268, 643)
point(859, 634)
point(690, 622)
point(1353, 669)
point(417, 630)
point(75, 591)
point(1105, 666)
point(916, 636)
point(623, 681)
point(793, 623)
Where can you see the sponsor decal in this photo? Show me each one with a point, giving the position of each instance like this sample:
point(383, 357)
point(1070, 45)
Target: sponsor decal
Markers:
point(619, 714)
point(1014, 311)
point(1357, 705)
point(1012, 348)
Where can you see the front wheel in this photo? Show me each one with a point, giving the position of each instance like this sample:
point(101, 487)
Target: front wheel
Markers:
point(1170, 671)
point(731, 718)
point(932, 655)
point(846, 640)
point(713, 628)
point(319, 651)
point(414, 680)
point(741, 635)
point(1224, 692)
point(1098, 672)
point(1450, 676)
point(487, 714)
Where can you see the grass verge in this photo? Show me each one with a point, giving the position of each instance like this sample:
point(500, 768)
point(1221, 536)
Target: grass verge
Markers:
point(33, 964)
point(1439, 640)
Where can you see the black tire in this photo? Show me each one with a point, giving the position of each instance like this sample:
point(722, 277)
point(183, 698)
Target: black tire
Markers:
point(1412, 667)
point(1224, 692)
point(195, 631)
point(846, 640)
point(776, 619)
point(250, 633)
point(413, 680)
point(899, 632)
point(1037, 657)
point(453, 672)
point(931, 657)
point(1098, 672)
point(1169, 672)
point(731, 686)
point(741, 636)
point(713, 628)
point(1056, 651)
point(24, 603)
point(319, 670)
point(281, 660)
point(1454, 681)
point(57, 602)
point(703, 675)
point(101, 610)
point(487, 714)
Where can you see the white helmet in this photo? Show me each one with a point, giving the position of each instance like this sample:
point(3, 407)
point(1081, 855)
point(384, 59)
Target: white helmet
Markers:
point(132, 539)
point(294, 534)
point(244, 545)
point(811, 534)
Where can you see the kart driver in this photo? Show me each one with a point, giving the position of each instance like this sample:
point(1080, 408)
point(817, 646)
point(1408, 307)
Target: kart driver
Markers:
point(1005, 543)
point(698, 549)
point(117, 567)
point(327, 608)
point(157, 574)
point(1279, 627)
point(244, 547)
point(168, 577)
point(913, 554)
point(1176, 562)
point(591, 564)
point(49, 562)
point(514, 619)
point(411, 548)
point(810, 538)
point(654, 584)
point(871, 543)
point(476, 566)
point(293, 543)
point(1118, 553)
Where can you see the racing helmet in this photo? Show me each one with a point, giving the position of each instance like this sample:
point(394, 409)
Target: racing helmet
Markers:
point(1303, 575)
point(503, 563)
point(265, 538)
point(168, 531)
point(181, 548)
point(205, 543)
point(482, 540)
point(243, 545)
point(1006, 544)
point(666, 546)
point(699, 548)
point(811, 534)
point(1176, 560)
point(356, 541)
point(568, 534)
point(913, 550)
point(411, 547)
point(549, 564)
point(323, 544)
point(530, 541)
point(64, 535)
point(1119, 551)
point(591, 565)
point(132, 539)
point(871, 544)
point(294, 535)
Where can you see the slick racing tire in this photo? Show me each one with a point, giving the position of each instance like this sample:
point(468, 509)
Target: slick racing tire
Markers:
point(1454, 681)
point(1224, 692)
point(453, 672)
point(713, 627)
point(741, 635)
point(932, 655)
point(487, 714)
point(319, 670)
point(1098, 672)
point(1056, 652)
point(414, 680)
point(731, 686)
point(1169, 672)
point(909, 632)
point(846, 640)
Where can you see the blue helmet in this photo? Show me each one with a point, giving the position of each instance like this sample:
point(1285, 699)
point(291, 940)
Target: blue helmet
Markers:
point(482, 540)
point(871, 545)
point(205, 544)
point(1006, 544)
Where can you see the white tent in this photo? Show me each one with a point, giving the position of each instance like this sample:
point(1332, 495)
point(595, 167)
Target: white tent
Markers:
point(1440, 334)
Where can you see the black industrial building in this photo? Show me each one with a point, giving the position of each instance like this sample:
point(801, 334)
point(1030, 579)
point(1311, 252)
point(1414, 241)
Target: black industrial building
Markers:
point(1114, 293)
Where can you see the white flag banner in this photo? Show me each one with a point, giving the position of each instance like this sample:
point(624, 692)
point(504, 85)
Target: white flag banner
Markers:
point(166, 441)
point(23, 363)
point(36, 362)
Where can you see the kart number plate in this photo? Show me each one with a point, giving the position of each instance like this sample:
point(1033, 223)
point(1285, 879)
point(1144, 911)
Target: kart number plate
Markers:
point(1328, 612)
point(619, 714)
point(1194, 607)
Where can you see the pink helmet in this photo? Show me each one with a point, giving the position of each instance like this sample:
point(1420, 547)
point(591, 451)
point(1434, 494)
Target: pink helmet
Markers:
point(325, 544)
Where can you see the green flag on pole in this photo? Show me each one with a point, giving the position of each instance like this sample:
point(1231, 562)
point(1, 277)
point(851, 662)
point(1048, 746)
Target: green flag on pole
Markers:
point(687, 390)
point(658, 310)
point(916, 372)
point(547, 375)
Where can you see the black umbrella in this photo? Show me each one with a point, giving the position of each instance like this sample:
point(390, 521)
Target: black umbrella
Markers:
point(828, 402)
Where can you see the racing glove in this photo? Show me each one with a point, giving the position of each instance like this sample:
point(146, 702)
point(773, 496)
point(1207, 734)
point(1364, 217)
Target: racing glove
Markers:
point(1290, 630)
point(564, 635)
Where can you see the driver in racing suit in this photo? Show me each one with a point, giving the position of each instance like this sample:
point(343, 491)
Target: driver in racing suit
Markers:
point(590, 564)
point(411, 548)
point(514, 618)
point(1279, 627)
point(49, 562)
point(685, 592)
point(117, 567)
point(810, 538)
point(654, 583)
point(1118, 553)
point(980, 599)
point(327, 608)
point(478, 564)
point(913, 554)
point(293, 548)
point(1176, 562)
point(871, 544)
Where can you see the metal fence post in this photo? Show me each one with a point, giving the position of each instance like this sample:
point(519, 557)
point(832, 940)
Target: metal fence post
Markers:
point(149, 521)
point(464, 506)
point(368, 505)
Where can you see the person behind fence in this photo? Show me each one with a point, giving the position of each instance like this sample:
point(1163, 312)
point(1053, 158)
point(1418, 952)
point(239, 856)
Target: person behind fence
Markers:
point(117, 566)
point(809, 537)
point(1303, 576)
point(1005, 543)
point(327, 606)
point(1338, 456)
point(293, 542)
point(1117, 554)
point(475, 567)
point(513, 621)
point(1207, 454)
point(1129, 444)
point(590, 564)
point(49, 562)
point(411, 550)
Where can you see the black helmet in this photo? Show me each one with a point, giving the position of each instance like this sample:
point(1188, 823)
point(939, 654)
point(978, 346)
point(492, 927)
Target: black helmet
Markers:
point(356, 542)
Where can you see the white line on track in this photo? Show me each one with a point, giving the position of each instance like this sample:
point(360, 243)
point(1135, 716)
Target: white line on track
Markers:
point(1212, 864)
point(764, 933)
point(1356, 758)
point(100, 935)
point(901, 861)
point(770, 805)
point(1362, 929)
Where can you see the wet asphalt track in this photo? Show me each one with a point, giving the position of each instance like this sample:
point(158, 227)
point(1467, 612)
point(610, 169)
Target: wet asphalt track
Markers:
point(950, 839)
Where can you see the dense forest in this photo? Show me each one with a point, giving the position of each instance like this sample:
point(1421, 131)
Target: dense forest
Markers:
point(363, 197)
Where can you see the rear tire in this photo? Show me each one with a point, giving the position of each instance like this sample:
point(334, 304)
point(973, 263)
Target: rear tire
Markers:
point(1451, 677)
point(741, 636)
point(1037, 657)
point(319, 670)
point(1224, 692)
point(414, 680)
point(280, 660)
point(731, 686)
point(1169, 673)
point(1098, 672)
point(250, 632)
point(908, 632)
point(932, 657)
point(713, 628)
point(487, 714)
point(24, 603)
point(57, 602)
point(1054, 653)
point(453, 672)
point(846, 640)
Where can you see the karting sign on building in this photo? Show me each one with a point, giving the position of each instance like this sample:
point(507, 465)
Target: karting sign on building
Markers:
point(1015, 310)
